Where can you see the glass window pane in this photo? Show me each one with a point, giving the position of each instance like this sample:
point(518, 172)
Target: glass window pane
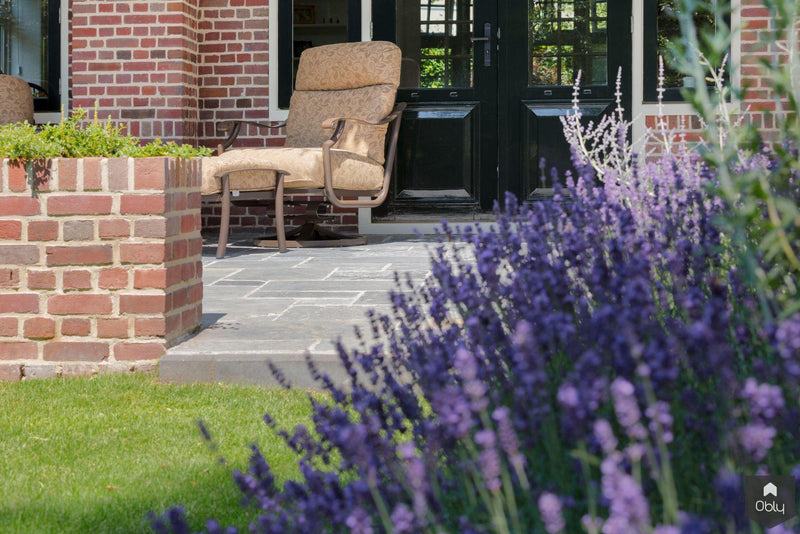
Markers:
point(24, 40)
point(565, 36)
point(434, 36)
point(669, 30)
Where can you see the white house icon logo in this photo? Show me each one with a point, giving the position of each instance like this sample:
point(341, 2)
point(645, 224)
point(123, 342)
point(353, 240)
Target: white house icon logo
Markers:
point(770, 489)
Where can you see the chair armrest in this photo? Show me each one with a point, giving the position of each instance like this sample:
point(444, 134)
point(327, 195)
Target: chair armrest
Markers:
point(337, 124)
point(234, 127)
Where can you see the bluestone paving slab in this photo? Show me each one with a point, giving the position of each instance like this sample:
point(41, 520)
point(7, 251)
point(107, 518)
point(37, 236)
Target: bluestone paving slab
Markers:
point(260, 305)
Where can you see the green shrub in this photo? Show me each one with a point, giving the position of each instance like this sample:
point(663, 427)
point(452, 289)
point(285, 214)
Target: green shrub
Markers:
point(74, 137)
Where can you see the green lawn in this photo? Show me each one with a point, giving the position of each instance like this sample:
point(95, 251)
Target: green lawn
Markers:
point(95, 455)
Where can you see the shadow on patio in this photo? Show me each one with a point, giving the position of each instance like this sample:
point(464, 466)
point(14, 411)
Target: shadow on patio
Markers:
point(259, 305)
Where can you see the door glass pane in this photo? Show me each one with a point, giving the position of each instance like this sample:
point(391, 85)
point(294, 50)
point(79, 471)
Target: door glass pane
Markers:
point(565, 36)
point(434, 36)
point(24, 40)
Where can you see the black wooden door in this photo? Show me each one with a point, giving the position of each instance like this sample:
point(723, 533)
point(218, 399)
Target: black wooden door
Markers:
point(486, 82)
point(545, 44)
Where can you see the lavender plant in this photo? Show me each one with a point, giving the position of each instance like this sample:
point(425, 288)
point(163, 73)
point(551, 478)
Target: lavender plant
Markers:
point(575, 367)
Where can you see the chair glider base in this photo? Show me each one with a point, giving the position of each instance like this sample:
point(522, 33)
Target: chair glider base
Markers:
point(309, 235)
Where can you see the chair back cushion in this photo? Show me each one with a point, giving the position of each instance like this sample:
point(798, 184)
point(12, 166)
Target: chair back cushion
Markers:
point(16, 100)
point(350, 80)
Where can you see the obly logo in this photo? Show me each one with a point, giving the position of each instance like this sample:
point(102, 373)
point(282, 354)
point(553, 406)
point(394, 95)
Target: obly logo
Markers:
point(770, 500)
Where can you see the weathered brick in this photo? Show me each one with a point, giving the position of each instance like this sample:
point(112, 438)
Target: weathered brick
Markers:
point(8, 326)
point(19, 254)
point(139, 351)
point(9, 278)
point(142, 304)
point(75, 351)
point(67, 174)
point(141, 252)
point(150, 326)
point(77, 280)
point(10, 372)
point(118, 174)
point(19, 303)
point(10, 229)
point(112, 328)
point(92, 174)
point(151, 228)
point(17, 177)
point(113, 278)
point(150, 173)
point(39, 371)
point(78, 230)
point(39, 328)
point(74, 326)
point(72, 369)
point(150, 278)
point(114, 228)
point(18, 350)
point(42, 230)
point(79, 205)
point(142, 204)
point(79, 304)
point(41, 279)
point(79, 255)
point(19, 205)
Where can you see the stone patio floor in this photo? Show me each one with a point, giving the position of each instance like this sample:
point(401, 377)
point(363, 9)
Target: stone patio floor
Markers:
point(260, 305)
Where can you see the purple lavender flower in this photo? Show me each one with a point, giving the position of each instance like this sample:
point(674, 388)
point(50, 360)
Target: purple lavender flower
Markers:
point(488, 460)
point(627, 408)
point(605, 436)
point(756, 440)
point(629, 510)
point(416, 477)
point(453, 410)
point(660, 418)
point(509, 441)
point(359, 522)
point(402, 519)
point(550, 510)
point(765, 400)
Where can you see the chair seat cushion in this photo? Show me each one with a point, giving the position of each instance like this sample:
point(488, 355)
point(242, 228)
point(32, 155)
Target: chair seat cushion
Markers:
point(248, 169)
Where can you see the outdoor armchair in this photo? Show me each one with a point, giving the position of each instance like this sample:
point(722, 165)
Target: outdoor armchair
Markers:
point(16, 100)
point(336, 140)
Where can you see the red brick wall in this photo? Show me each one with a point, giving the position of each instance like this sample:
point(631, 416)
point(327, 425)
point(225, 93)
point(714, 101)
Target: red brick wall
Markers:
point(139, 62)
point(99, 263)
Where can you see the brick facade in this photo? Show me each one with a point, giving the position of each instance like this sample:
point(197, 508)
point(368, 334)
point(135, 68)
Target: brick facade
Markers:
point(99, 263)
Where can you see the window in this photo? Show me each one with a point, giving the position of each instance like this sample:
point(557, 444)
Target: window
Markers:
point(566, 36)
point(30, 43)
point(435, 37)
point(660, 28)
point(306, 23)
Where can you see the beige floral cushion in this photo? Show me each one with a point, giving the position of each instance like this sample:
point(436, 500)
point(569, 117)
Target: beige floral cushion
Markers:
point(16, 100)
point(304, 165)
point(308, 109)
point(348, 65)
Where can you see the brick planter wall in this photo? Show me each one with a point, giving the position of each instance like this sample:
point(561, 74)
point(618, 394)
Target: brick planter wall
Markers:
point(100, 264)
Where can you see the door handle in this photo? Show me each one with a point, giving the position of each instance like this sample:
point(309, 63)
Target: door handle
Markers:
point(486, 38)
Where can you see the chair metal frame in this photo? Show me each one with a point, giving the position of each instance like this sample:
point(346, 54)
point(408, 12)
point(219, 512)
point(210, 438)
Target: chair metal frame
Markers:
point(330, 193)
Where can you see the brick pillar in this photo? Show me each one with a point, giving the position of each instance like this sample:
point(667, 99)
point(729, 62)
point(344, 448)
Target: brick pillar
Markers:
point(138, 61)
